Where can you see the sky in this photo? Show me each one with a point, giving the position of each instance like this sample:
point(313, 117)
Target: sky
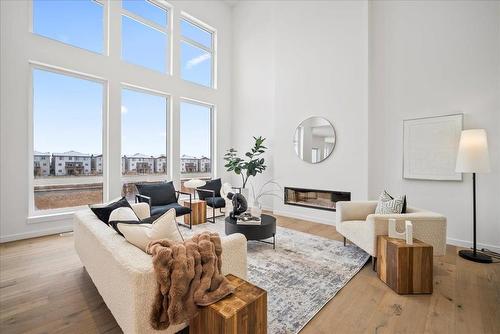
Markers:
point(68, 110)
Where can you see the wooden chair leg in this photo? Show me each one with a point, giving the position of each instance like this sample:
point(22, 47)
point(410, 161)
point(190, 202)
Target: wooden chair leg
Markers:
point(374, 263)
point(344, 241)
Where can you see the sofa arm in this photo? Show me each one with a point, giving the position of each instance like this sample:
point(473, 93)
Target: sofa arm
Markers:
point(347, 210)
point(141, 210)
point(234, 255)
point(428, 227)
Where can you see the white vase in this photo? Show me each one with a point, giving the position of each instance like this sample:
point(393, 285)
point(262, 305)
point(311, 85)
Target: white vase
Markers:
point(246, 193)
point(256, 210)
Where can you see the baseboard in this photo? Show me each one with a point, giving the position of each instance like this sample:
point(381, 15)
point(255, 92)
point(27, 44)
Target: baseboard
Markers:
point(305, 217)
point(468, 244)
point(34, 234)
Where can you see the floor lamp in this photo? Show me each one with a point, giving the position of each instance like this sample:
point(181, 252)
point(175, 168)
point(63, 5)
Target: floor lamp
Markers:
point(473, 158)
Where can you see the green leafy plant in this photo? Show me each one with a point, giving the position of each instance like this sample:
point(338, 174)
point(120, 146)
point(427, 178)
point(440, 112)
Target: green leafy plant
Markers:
point(251, 165)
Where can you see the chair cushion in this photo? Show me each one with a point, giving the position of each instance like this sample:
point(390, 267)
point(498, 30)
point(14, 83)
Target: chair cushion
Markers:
point(214, 185)
point(179, 209)
point(161, 193)
point(216, 202)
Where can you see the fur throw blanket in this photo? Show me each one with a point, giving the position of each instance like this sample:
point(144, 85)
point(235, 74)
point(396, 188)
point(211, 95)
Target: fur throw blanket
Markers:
point(188, 275)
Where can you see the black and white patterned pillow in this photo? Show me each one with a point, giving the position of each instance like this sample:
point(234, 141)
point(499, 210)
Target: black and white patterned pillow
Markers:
point(103, 211)
point(390, 205)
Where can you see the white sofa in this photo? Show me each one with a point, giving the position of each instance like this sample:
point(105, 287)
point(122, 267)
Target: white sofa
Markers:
point(358, 222)
point(124, 275)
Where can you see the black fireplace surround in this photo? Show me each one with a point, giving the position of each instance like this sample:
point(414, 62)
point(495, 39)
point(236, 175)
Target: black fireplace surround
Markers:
point(315, 198)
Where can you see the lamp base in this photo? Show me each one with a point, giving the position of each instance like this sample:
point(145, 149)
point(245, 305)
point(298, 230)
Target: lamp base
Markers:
point(478, 257)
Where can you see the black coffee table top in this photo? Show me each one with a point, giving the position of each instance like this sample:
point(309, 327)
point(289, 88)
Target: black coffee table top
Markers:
point(266, 228)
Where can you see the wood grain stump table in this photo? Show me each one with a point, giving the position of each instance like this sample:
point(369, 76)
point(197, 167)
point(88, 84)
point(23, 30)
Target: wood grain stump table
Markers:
point(406, 269)
point(198, 211)
point(243, 312)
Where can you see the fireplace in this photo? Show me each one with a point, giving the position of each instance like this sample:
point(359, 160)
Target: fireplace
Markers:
point(314, 198)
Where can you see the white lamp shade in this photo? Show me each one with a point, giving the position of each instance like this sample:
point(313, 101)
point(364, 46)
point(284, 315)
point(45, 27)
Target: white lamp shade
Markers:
point(473, 156)
point(194, 183)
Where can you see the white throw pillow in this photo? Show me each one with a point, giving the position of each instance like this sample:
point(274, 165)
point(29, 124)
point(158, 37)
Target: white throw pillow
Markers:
point(389, 205)
point(140, 235)
point(122, 215)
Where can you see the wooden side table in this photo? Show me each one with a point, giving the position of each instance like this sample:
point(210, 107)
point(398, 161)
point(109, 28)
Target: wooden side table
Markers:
point(243, 312)
point(406, 269)
point(198, 211)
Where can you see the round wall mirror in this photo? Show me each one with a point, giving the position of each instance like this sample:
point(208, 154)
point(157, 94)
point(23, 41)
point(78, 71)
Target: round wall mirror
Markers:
point(314, 139)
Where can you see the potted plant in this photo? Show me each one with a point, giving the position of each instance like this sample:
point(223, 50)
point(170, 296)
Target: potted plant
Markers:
point(250, 165)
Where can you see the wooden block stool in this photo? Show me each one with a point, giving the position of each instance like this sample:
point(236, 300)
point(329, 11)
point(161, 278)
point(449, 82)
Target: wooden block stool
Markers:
point(199, 211)
point(243, 312)
point(406, 269)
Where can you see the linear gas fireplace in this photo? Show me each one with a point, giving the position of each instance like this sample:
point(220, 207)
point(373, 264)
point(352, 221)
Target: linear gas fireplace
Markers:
point(314, 198)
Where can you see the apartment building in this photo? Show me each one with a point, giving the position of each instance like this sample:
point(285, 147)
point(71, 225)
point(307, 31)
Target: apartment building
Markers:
point(189, 164)
point(205, 165)
point(97, 164)
point(139, 164)
point(70, 163)
point(41, 163)
point(161, 164)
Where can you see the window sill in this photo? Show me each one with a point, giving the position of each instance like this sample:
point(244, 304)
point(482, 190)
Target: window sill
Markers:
point(50, 217)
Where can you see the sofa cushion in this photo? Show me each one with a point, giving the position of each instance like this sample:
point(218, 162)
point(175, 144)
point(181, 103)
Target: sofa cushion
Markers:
point(390, 205)
point(214, 185)
point(122, 215)
point(216, 202)
point(103, 211)
point(179, 209)
point(140, 235)
point(161, 193)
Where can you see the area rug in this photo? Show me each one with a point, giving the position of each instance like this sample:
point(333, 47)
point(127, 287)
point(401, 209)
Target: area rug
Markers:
point(300, 276)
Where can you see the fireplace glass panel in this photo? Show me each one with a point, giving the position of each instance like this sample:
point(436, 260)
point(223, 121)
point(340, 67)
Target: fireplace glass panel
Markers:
point(313, 198)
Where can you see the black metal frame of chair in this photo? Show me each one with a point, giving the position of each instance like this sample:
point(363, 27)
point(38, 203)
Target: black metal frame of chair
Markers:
point(147, 199)
point(213, 201)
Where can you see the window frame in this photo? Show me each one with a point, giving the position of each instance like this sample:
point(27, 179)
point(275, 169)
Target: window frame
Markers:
point(167, 30)
point(105, 29)
point(168, 127)
point(212, 109)
point(212, 51)
point(33, 214)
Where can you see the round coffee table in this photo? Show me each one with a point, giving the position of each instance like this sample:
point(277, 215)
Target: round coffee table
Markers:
point(265, 230)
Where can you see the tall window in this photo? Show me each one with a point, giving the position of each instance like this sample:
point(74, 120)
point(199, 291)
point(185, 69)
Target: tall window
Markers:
point(196, 140)
point(67, 140)
point(144, 139)
point(145, 34)
point(197, 53)
point(78, 23)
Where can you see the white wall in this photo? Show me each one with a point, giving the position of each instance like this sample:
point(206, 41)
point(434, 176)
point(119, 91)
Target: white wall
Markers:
point(436, 58)
point(253, 82)
point(293, 60)
point(19, 47)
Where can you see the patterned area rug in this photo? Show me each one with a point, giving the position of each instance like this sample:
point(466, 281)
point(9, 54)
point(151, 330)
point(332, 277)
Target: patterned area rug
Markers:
point(300, 276)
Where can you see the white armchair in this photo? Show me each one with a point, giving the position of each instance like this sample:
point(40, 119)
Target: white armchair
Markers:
point(358, 223)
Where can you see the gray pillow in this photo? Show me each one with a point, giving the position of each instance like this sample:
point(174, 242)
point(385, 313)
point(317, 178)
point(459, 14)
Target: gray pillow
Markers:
point(390, 205)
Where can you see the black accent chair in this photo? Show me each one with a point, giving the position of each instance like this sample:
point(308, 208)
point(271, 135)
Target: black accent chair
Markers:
point(161, 197)
point(210, 193)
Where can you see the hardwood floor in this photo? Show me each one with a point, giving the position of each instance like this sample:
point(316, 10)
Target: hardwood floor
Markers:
point(45, 289)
